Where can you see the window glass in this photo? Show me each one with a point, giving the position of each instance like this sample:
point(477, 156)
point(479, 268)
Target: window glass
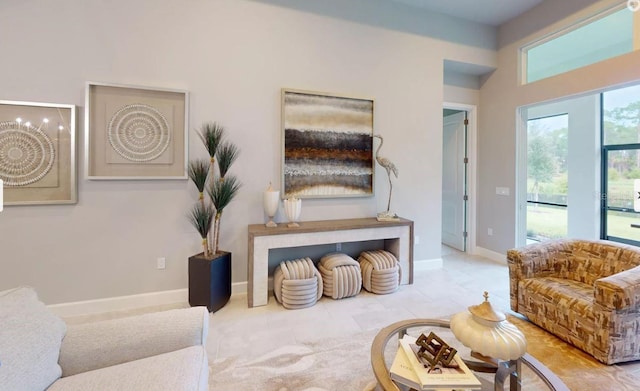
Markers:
point(547, 180)
point(604, 38)
point(621, 116)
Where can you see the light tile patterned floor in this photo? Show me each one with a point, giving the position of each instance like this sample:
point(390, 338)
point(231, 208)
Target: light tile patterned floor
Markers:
point(436, 293)
point(237, 330)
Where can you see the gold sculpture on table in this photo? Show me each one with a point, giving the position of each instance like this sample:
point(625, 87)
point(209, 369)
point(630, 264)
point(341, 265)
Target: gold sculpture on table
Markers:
point(435, 351)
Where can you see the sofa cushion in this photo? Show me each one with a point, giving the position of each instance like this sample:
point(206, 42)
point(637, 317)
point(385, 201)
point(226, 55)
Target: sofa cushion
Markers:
point(564, 307)
point(30, 339)
point(182, 370)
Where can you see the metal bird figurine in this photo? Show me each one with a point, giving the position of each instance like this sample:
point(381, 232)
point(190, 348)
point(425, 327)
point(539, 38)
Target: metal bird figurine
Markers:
point(389, 167)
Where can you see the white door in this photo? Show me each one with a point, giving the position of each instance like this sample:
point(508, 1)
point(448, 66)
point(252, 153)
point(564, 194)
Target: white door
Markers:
point(453, 181)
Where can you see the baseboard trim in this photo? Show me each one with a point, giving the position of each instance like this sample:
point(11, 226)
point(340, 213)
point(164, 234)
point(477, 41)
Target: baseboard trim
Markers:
point(494, 256)
point(130, 302)
point(427, 264)
point(120, 303)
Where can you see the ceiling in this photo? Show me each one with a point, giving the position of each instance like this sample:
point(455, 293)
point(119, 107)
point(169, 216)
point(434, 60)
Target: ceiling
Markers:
point(490, 12)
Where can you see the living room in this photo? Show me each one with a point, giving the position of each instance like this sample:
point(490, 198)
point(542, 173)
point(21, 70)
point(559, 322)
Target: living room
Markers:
point(234, 57)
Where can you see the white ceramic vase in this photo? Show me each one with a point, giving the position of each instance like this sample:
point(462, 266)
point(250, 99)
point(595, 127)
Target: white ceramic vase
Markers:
point(271, 200)
point(292, 208)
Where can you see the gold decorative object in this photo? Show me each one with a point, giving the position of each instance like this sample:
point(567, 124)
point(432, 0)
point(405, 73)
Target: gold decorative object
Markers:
point(488, 333)
point(435, 351)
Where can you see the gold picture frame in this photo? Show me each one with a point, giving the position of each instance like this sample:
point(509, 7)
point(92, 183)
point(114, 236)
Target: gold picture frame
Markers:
point(134, 132)
point(38, 153)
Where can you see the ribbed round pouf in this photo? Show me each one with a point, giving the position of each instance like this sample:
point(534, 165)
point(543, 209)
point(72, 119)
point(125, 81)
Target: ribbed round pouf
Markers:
point(341, 275)
point(380, 271)
point(297, 283)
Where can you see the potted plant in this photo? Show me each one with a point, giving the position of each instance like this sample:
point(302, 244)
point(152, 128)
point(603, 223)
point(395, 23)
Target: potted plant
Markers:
point(210, 271)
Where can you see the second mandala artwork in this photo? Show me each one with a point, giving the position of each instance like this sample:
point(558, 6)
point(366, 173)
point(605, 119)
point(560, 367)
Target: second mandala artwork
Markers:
point(135, 132)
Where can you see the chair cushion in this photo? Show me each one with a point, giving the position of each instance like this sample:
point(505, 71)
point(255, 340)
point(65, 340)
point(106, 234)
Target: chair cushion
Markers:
point(185, 370)
point(30, 339)
point(563, 307)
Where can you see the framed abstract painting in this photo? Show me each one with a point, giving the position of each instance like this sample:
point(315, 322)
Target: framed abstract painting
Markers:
point(327, 145)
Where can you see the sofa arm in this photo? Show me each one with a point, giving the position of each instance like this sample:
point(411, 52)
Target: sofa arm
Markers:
point(619, 291)
point(536, 260)
point(540, 259)
point(101, 344)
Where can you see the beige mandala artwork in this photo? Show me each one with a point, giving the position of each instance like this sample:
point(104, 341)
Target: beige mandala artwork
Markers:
point(26, 153)
point(139, 132)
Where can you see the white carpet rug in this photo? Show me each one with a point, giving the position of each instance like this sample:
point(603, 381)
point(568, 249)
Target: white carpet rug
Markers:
point(328, 365)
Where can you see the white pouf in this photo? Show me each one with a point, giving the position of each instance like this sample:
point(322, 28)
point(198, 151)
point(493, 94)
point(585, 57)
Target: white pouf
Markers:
point(341, 275)
point(380, 271)
point(297, 283)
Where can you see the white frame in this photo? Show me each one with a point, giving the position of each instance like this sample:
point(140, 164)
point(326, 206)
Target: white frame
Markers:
point(87, 129)
point(73, 178)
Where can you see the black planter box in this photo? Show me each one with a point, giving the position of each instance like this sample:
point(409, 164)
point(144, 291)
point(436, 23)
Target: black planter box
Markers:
point(210, 281)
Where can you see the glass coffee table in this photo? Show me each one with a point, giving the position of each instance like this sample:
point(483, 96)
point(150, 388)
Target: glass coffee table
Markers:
point(523, 374)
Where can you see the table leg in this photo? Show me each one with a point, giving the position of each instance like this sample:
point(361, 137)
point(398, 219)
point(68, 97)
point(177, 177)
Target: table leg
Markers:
point(511, 369)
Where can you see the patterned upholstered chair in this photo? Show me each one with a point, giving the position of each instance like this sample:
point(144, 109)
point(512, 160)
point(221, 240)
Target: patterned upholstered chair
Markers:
point(585, 292)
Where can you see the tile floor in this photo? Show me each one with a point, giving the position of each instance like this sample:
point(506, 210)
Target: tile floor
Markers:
point(437, 293)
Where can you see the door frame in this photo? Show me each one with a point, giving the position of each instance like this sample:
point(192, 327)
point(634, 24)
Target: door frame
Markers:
point(472, 169)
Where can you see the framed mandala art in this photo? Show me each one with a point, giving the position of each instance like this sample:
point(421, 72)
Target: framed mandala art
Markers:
point(135, 132)
point(37, 153)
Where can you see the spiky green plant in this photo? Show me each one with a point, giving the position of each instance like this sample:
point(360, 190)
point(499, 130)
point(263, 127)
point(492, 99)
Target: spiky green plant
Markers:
point(221, 194)
point(227, 154)
point(211, 135)
point(198, 172)
point(203, 172)
point(201, 217)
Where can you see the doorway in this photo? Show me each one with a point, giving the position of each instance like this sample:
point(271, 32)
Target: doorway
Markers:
point(454, 178)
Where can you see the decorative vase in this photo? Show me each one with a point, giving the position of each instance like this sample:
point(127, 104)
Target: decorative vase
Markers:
point(487, 332)
point(271, 200)
point(292, 208)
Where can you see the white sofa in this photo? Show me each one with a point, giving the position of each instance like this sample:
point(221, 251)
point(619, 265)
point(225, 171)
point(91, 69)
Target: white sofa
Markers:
point(156, 351)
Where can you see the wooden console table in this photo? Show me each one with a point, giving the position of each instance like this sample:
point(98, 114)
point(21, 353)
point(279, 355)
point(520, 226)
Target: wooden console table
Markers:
point(397, 236)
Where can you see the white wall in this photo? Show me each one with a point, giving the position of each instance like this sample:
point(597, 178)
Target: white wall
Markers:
point(233, 56)
point(501, 94)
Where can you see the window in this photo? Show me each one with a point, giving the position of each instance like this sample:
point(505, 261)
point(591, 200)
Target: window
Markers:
point(547, 180)
point(621, 163)
point(605, 36)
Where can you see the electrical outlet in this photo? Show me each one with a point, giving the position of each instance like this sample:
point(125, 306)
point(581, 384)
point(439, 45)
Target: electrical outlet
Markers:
point(490, 231)
point(161, 263)
point(338, 246)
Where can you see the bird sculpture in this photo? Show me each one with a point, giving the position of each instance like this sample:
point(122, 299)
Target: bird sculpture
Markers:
point(390, 168)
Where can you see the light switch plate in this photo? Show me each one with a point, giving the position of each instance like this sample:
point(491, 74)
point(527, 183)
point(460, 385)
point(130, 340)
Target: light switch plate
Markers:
point(502, 191)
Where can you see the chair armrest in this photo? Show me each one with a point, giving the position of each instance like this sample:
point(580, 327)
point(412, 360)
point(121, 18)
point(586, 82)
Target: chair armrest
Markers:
point(536, 260)
point(540, 259)
point(619, 291)
point(101, 344)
